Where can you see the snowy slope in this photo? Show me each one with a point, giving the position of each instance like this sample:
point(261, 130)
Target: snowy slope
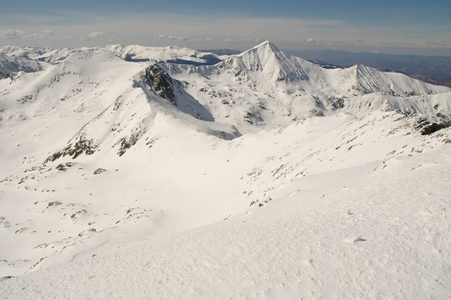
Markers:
point(261, 176)
point(353, 243)
point(316, 210)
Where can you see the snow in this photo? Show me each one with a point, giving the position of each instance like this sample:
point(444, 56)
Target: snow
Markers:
point(340, 238)
point(351, 204)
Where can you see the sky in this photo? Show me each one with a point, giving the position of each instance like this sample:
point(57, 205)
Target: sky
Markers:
point(397, 27)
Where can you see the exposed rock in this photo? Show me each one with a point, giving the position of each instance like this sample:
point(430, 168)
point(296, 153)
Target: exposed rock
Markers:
point(161, 82)
point(61, 167)
point(82, 146)
point(335, 102)
point(99, 171)
point(253, 117)
point(433, 127)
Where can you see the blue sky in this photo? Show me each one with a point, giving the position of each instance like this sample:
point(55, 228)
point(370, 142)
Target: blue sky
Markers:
point(410, 27)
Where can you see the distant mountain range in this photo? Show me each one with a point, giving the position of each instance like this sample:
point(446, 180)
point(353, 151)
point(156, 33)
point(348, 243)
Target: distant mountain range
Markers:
point(432, 69)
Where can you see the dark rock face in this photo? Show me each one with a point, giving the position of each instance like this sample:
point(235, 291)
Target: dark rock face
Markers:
point(61, 167)
point(336, 102)
point(99, 171)
point(127, 142)
point(253, 117)
point(82, 146)
point(433, 127)
point(161, 83)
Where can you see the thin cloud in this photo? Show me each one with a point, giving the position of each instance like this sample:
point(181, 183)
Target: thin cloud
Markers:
point(48, 32)
point(313, 41)
point(95, 35)
point(172, 38)
point(12, 33)
point(210, 32)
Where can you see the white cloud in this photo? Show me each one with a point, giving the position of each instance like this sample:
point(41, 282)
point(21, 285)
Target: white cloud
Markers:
point(95, 35)
point(48, 32)
point(12, 33)
point(312, 41)
point(172, 38)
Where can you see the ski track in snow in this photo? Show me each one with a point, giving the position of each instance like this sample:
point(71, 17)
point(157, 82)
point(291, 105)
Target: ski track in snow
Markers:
point(279, 194)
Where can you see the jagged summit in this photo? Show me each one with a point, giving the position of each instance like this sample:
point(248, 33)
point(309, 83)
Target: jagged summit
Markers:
point(262, 55)
point(265, 46)
point(271, 63)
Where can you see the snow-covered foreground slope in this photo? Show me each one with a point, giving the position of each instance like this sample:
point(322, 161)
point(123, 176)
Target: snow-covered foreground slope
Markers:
point(130, 179)
point(375, 230)
point(318, 210)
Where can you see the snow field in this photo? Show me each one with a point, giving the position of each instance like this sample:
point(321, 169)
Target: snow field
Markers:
point(273, 192)
point(344, 239)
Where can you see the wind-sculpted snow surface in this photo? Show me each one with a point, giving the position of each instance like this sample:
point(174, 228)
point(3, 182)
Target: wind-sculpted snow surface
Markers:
point(126, 175)
point(349, 240)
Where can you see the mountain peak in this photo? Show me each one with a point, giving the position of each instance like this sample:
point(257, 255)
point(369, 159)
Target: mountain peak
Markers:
point(268, 61)
point(264, 54)
point(266, 46)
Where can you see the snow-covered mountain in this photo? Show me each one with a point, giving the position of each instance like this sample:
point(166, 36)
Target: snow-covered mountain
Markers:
point(275, 89)
point(12, 65)
point(207, 169)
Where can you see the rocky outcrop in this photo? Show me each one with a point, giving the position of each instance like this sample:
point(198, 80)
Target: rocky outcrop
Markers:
point(81, 146)
point(160, 82)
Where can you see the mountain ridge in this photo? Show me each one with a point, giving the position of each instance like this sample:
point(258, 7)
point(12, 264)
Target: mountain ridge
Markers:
point(263, 88)
point(106, 150)
point(434, 69)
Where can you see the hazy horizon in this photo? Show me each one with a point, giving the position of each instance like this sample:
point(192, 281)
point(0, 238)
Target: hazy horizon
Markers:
point(404, 27)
